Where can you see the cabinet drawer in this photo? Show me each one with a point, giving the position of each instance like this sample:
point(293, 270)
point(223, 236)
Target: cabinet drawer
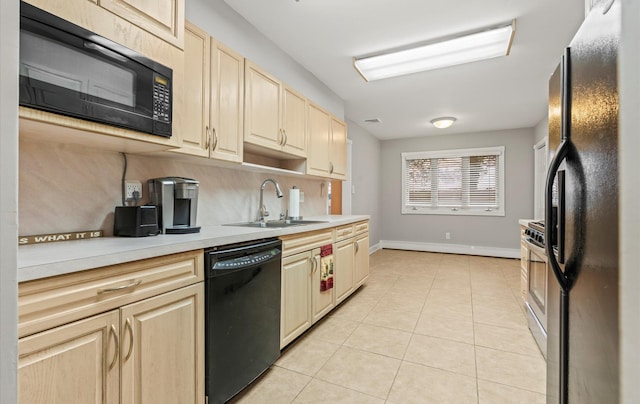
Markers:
point(361, 227)
point(50, 302)
point(344, 232)
point(306, 241)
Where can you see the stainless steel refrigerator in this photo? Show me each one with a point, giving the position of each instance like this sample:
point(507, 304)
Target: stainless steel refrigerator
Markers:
point(582, 211)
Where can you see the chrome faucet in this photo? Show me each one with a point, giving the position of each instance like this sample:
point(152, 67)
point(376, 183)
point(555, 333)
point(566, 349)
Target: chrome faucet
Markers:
point(263, 209)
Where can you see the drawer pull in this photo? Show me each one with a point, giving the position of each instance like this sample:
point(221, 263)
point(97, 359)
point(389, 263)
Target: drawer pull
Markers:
point(115, 352)
point(118, 288)
point(127, 325)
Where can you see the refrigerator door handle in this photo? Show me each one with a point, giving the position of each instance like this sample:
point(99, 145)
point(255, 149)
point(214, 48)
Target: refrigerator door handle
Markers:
point(560, 155)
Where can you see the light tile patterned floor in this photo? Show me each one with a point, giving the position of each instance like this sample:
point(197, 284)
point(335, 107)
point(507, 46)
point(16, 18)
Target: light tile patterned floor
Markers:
point(425, 328)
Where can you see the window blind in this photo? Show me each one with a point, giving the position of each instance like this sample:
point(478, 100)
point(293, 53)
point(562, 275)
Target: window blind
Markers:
point(459, 181)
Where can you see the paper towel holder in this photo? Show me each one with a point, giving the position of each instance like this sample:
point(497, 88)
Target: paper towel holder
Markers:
point(293, 213)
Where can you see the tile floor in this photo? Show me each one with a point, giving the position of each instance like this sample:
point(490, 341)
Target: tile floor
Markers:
point(425, 328)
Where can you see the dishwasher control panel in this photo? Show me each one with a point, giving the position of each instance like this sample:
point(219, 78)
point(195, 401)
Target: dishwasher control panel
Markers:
point(247, 260)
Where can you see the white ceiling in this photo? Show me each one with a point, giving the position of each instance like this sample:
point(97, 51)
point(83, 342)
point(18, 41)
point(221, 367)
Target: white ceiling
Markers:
point(503, 93)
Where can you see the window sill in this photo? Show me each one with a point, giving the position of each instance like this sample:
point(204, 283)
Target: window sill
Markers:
point(450, 212)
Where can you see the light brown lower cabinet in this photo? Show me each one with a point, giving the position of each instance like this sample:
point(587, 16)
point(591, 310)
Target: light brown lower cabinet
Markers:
point(147, 352)
point(303, 303)
point(141, 342)
point(74, 363)
point(344, 255)
point(361, 260)
point(352, 259)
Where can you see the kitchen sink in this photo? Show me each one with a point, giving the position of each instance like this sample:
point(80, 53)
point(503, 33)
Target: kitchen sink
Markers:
point(276, 223)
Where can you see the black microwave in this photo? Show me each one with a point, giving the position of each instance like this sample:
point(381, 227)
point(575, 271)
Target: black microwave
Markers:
point(69, 70)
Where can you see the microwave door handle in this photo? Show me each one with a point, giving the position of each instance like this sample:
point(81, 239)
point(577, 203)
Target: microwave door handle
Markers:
point(560, 155)
point(107, 52)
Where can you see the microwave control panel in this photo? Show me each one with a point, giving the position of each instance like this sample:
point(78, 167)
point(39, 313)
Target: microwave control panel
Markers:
point(161, 99)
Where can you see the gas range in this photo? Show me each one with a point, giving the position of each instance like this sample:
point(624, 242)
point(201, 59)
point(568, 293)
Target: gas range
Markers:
point(534, 233)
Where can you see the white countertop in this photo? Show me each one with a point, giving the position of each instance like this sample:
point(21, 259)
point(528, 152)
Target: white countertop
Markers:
point(50, 259)
point(525, 222)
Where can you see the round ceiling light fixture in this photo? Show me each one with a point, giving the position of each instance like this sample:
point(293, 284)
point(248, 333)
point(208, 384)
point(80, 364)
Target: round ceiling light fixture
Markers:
point(443, 122)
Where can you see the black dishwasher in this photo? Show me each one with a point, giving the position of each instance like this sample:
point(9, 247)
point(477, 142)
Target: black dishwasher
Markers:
point(242, 315)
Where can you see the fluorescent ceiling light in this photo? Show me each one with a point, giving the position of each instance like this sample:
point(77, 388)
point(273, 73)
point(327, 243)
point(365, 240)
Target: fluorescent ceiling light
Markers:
point(444, 122)
point(480, 45)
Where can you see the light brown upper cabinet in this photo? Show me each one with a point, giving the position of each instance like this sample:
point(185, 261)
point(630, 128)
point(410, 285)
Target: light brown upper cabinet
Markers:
point(213, 98)
point(162, 18)
point(327, 144)
point(274, 113)
point(338, 149)
point(294, 111)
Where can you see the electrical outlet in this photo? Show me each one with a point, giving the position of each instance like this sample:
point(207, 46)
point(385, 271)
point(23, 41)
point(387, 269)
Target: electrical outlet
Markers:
point(131, 186)
point(447, 235)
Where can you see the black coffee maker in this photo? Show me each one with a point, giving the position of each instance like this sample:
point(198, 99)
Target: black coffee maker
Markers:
point(177, 202)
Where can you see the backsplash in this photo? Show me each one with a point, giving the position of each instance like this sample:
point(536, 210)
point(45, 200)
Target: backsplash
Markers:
point(66, 188)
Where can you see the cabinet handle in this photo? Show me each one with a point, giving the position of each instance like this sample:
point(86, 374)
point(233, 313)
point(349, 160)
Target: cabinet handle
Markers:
point(280, 137)
point(119, 288)
point(215, 139)
point(314, 264)
point(208, 142)
point(356, 246)
point(127, 325)
point(286, 138)
point(114, 333)
point(331, 169)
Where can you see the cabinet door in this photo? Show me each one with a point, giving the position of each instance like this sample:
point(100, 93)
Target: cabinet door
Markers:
point(318, 137)
point(295, 315)
point(321, 302)
point(338, 153)
point(196, 92)
point(74, 363)
point(262, 108)
point(162, 18)
point(294, 111)
point(344, 265)
point(361, 270)
point(162, 348)
point(227, 105)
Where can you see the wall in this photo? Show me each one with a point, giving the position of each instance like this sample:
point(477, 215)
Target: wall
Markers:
point(541, 130)
point(629, 196)
point(227, 26)
point(9, 21)
point(494, 235)
point(365, 177)
point(67, 188)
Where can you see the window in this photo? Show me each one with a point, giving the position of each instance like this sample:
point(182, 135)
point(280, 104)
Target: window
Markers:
point(454, 182)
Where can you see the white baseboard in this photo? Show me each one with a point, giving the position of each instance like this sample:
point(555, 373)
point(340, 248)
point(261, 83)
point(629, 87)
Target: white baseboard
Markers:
point(451, 248)
point(374, 248)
